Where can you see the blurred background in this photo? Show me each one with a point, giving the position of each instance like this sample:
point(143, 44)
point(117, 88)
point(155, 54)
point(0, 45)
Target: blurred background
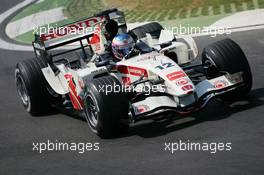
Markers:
point(197, 13)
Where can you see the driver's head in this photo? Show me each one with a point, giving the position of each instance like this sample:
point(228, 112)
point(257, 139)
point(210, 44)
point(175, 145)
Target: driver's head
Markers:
point(122, 45)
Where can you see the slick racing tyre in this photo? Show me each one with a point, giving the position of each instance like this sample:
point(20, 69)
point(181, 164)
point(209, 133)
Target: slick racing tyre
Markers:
point(227, 56)
point(106, 112)
point(32, 87)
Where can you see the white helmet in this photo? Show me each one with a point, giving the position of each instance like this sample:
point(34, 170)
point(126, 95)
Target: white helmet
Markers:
point(122, 45)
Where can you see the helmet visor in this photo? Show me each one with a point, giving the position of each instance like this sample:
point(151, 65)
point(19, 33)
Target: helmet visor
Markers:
point(124, 51)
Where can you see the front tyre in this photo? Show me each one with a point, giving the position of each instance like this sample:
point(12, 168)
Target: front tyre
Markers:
point(227, 56)
point(106, 113)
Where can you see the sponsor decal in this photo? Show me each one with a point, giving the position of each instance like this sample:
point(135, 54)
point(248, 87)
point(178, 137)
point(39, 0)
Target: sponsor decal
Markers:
point(81, 84)
point(75, 99)
point(148, 56)
point(68, 77)
point(126, 81)
point(96, 39)
point(165, 66)
point(145, 57)
point(135, 71)
point(220, 84)
point(175, 75)
point(122, 69)
point(187, 87)
point(142, 108)
point(72, 28)
point(182, 81)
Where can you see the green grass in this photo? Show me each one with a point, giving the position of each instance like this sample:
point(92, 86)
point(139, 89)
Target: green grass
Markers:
point(140, 10)
point(76, 9)
point(38, 7)
point(143, 16)
point(261, 3)
point(202, 21)
point(28, 37)
point(194, 12)
point(190, 22)
point(136, 9)
point(216, 10)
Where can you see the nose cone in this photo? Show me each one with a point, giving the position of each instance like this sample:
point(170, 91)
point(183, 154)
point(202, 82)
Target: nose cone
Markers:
point(176, 81)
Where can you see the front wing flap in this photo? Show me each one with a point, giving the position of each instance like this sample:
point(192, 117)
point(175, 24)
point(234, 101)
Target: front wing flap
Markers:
point(205, 90)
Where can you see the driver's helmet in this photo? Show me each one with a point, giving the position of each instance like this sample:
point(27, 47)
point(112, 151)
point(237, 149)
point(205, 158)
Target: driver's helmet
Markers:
point(122, 45)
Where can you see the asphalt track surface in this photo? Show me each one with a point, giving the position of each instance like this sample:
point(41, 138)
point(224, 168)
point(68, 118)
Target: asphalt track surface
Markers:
point(142, 150)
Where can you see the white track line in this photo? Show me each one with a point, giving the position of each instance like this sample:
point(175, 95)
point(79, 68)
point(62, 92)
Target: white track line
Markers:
point(11, 46)
point(27, 24)
point(232, 30)
point(4, 16)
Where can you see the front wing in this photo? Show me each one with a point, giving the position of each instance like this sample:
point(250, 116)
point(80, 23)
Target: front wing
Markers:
point(205, 91)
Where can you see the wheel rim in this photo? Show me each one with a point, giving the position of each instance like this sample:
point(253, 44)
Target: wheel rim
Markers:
point(22, 91)
point(212, 69)
point(91, 111)
point(209, 61)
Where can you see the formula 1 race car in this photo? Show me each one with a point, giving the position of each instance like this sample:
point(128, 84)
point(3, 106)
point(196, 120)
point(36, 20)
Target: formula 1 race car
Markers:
point(162, 73)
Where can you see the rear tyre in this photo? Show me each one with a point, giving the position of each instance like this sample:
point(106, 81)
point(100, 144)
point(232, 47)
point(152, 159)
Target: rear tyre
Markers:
point(32, 87)
point(106, 113)
point(227, 56)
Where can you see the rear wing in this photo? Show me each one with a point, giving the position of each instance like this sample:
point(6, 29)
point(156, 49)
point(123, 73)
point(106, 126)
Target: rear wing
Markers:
point(76, 31)
point(68, 34)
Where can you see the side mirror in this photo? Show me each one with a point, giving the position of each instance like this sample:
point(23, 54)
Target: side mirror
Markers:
point(102, 63)
point(165, 37)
